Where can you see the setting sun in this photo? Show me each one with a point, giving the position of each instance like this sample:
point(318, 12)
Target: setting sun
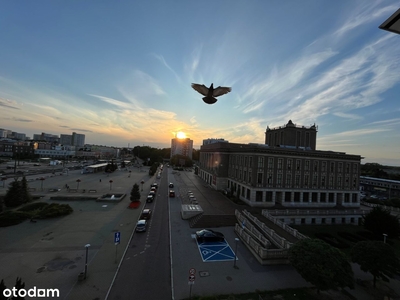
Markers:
point(180, 135)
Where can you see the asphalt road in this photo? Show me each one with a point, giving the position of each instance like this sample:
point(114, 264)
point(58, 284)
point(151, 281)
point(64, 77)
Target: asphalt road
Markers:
point(145, 272)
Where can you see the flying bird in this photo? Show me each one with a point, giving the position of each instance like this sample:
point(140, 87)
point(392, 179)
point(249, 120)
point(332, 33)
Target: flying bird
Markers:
point(210, 93)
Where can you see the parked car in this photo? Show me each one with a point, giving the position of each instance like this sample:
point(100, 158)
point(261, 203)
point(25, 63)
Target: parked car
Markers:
point(141, 226)
point(153, 193)
point(172, 193)
point(171, 185)
point(208, 235)
point(146, 214)
point(155, 185)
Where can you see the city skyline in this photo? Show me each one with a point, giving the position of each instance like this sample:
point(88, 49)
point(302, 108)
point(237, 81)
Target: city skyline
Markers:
point(121, 74)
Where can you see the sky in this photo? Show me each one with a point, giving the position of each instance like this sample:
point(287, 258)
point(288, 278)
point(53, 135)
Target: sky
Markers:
point(120, 72)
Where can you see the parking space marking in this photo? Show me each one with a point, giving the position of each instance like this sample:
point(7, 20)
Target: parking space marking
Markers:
point(216, 251)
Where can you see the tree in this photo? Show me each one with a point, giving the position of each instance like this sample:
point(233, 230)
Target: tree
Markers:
point(135, 194)
point(380, 221)
point(376, 257)
point(26, 196)
point(17, 193)
point(2, 288)
point(322, 265)
point(18, 286)
point(13, 197)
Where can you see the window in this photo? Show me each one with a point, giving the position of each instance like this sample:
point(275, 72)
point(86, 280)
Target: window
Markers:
point(245, 161)
point(289, 164)
point(347, 168)
point(288, 180)
point(270, 163)
point(298, 164)
point(270, 177)
point(259, 178)
point(306, 178)
point(279, 179)
point(297, 182)
point(340, 167)
point(323, 168)
point(332, 168)
point(307, 165)
point(280, 163)
point(261, 162)
point(315, 166)
point(315, 180)
point(322, 180)
point(339, 181)
point(250, 161)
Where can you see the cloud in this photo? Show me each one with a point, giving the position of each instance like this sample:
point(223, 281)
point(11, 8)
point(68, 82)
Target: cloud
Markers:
point(348, 116)
point(162, 60)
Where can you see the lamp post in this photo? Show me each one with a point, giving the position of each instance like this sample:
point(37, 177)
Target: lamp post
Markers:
point(142, 182)
point(384, 237)
point(110, 184)
point(87, 250)
point(77, 183)
point(236, 244)
point(41, 185)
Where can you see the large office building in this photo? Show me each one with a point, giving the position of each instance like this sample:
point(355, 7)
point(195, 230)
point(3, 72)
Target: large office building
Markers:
point(182, 147)
point(285, 175)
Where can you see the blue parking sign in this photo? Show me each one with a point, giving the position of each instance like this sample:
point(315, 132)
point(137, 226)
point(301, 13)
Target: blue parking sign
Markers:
point(117, 237)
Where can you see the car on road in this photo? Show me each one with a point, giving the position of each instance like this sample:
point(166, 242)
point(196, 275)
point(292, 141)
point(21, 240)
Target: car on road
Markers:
point(155, 185)
point(172, 193)
point(36, 165)
point(146, 214)
point(153, 193)
point(141, 226)
point(171, 185)
point(149, 199)
point(208, 235)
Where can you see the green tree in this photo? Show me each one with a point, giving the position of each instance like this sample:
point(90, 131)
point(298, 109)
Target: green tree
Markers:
point(135, 194)
point(322, 265)
point(380, 221)
point(25, 191)
point(13, 197)
point(376, 257)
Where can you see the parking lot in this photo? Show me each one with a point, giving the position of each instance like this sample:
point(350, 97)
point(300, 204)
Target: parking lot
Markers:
point(215, 251)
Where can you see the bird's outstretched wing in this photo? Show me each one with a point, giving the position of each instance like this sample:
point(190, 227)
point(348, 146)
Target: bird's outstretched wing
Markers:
point(221, 90)
point(201, 88)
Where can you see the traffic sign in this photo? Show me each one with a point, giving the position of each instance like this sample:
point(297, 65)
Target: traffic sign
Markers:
point(192, 278)
point(192, 271)
point(117, 237)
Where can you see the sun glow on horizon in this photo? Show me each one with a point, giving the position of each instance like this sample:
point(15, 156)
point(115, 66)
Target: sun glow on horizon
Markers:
point(181, 135)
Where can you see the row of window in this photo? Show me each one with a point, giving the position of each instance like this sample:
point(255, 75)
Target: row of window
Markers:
point(294, 164)
point(305, 180)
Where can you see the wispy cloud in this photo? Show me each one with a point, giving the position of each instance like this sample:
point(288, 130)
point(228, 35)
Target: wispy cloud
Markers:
point(163, 61)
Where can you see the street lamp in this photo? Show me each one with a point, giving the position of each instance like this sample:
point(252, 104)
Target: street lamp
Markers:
point(87, 250)
point(110, 184)
point(77, 183)
point(236, 244)
point(384, 237)
point(41, 186)
point(142, 184)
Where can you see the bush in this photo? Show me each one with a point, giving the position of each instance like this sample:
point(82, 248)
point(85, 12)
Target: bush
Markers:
point(367, 235)
point(54, 210)
point(33, 206)
point(331, 240)
point(351, 237)
point(10, 218)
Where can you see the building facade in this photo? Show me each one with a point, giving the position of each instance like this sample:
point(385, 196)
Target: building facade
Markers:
point(264, 176)
point(292, 135)
point(182, 147)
